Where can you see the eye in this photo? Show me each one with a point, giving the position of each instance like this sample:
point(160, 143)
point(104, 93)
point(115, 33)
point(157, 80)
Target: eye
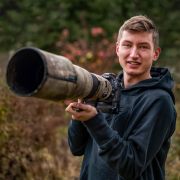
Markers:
point(126, 45)
point(144, 47)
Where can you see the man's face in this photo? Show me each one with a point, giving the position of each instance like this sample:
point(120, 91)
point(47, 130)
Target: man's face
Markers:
point(136, 54)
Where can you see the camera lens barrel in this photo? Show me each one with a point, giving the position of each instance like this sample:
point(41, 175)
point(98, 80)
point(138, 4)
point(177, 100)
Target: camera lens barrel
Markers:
point(34, 72)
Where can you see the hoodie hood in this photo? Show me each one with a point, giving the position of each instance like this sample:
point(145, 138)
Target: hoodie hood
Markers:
point(161, 79)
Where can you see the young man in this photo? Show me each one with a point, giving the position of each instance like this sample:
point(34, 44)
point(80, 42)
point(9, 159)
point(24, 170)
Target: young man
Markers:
point(134, 143)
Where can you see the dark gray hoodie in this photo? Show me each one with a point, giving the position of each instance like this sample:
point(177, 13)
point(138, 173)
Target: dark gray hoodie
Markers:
point(133, 144)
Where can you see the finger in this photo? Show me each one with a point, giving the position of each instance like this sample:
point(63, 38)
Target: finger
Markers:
point(70, 107)
point(79, 100)
point(85, 107)
point(72, 112)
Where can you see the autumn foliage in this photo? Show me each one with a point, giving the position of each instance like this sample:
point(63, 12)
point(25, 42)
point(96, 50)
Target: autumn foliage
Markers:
point(97, 55)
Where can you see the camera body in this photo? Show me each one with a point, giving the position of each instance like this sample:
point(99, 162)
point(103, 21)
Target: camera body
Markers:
point(32, 72)
point(111, 104)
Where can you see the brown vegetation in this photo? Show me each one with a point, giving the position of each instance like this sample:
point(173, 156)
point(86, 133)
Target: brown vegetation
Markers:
point(33, 143)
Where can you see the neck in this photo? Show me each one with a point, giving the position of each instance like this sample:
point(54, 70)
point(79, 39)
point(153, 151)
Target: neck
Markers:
point(129, 81)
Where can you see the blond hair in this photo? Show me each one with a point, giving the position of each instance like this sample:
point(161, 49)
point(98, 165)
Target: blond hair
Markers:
point(140, 24)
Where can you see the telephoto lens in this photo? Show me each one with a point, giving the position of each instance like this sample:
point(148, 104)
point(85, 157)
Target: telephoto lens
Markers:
point(32, 72)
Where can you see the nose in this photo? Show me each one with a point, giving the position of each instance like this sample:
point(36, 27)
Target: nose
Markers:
point(134, 53)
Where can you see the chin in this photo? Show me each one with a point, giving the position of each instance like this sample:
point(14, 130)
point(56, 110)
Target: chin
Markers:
point(133, 72)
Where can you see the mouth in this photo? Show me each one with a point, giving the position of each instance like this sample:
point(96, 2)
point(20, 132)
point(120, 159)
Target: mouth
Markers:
point(133, 62)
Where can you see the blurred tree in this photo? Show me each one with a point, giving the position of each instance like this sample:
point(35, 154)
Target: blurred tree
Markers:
point(30, 22)
point(40, 22)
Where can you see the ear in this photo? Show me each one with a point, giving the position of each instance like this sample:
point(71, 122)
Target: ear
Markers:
point(156, 54)
point(117, 48)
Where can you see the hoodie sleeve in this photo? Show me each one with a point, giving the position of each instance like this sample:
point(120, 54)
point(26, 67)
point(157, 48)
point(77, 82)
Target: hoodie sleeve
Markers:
point(132, 155)
point(77, 137)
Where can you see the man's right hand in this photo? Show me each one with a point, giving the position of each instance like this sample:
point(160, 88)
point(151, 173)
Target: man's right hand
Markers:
point(81, 111)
